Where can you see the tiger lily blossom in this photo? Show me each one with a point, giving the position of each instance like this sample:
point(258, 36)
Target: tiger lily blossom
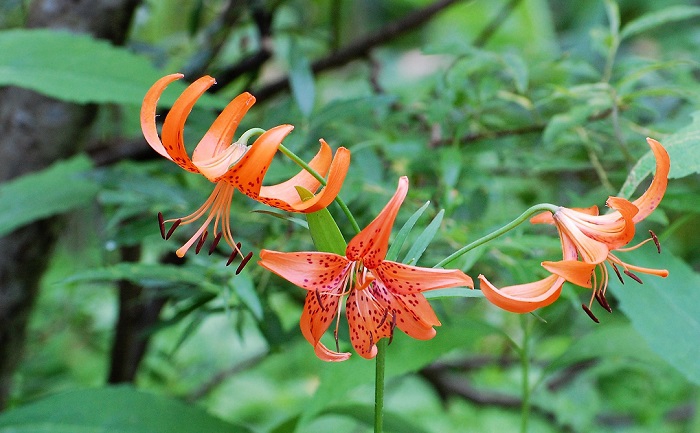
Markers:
point(593, 239)
point(381, 294)
point(233, 165)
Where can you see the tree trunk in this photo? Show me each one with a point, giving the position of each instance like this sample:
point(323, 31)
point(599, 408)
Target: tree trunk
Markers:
point(35, 132)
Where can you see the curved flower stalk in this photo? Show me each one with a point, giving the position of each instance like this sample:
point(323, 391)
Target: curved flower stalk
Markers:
point(234, 165)
point(591, 238)
point(381, 294)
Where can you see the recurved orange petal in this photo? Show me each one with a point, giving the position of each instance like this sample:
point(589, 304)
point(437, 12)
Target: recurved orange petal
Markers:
point(248, 172)
point(315, 271)
point(148, 113)
point(372, 243)
point(315, 320)
point(367, 321)
point(653, 195)
point(573, 271)
point(523, 298)
point(285, 196)
point(404, 279)
point(174, 124)
point(220, 134)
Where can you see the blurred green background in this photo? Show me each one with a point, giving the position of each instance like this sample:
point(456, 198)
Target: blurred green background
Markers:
point(488, 107)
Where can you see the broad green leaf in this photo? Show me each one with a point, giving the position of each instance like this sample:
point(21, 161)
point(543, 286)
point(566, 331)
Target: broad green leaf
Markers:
point(393, 422)
point(324, 231)
point(79, 68)
point(424, 239)
point(148, 274)
point(301, 79)
point(684, 150)
point(57, 189)
point(605, 341)
point(562, 123)
point(665, 311)
point(668, 15)
point(112, 410)
point(456, 292)
point(400, 238)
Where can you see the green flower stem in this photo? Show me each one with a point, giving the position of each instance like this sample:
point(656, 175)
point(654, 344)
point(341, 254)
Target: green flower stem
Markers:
point(243, 139)
point(525, 366)
point(300, 162)
point(379, 386)
point(538, 208)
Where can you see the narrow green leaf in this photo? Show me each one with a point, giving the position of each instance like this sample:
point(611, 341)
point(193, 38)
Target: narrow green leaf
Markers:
point(112, 410)
point(456, 292)
point(400, 238)
point(298, 221)
point(245, 289)
point(147, 274)
point(57, 189)
point(324, 231)
point(79, 68)
point(665, 311)
point(301, 79)
point(668, 15)
point(684, 150)
point(424, 239)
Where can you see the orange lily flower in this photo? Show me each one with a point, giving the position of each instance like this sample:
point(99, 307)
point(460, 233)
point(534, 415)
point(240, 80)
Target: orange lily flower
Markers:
point(381, 294)
point(233, 165)
point(591, 237)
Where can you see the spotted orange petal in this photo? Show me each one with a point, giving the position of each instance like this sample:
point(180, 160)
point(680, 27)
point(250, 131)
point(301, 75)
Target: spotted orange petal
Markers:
point(248, 172)
point(404, 279)
point(315, 271)
point(174, 124)
point(372, 243)
point(221, 132)
point(523, 298)
point(315, 321)
point(591, 250)
point(285, 196)
point(653, 195)
point(148, 113)
point(367, 321)
point(412, 313)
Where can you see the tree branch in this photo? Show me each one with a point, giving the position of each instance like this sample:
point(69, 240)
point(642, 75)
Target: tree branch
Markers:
point(361, 47)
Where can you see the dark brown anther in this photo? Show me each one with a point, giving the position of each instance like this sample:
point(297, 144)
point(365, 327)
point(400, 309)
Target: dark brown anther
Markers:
point(215, 242)
point(656, 241)
point(231, 257)
point(371, 341)
point(590, 313)
point(201, 241)
point(318, 299)
point(617, 271)
point(600, 297)
point(161, 224)
point(172, 228)
point(633, 276)
point(393, 326)
point(245, 260)
point(381, 322)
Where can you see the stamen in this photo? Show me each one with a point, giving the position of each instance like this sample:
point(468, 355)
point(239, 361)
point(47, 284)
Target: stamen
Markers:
point(381, 322)
point(172, 228)
point(617, 271)
point(590, 313)
point(245, 260)
point(656, 241)
point(237, 250)
point(600, 297)
point(337, 343)
point(201, 241)
point(161, 224)
point(633, 276)
point(318, 299)
point(393, 326)
point(215, 242)
point(371, 341)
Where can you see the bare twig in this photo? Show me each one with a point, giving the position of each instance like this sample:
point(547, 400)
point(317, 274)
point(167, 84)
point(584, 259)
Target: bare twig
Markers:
point(361, 47)
point(219, 377)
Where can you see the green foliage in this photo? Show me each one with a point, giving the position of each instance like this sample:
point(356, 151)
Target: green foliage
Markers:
point(114, 410)
point(552, 107)
point(64, 186)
